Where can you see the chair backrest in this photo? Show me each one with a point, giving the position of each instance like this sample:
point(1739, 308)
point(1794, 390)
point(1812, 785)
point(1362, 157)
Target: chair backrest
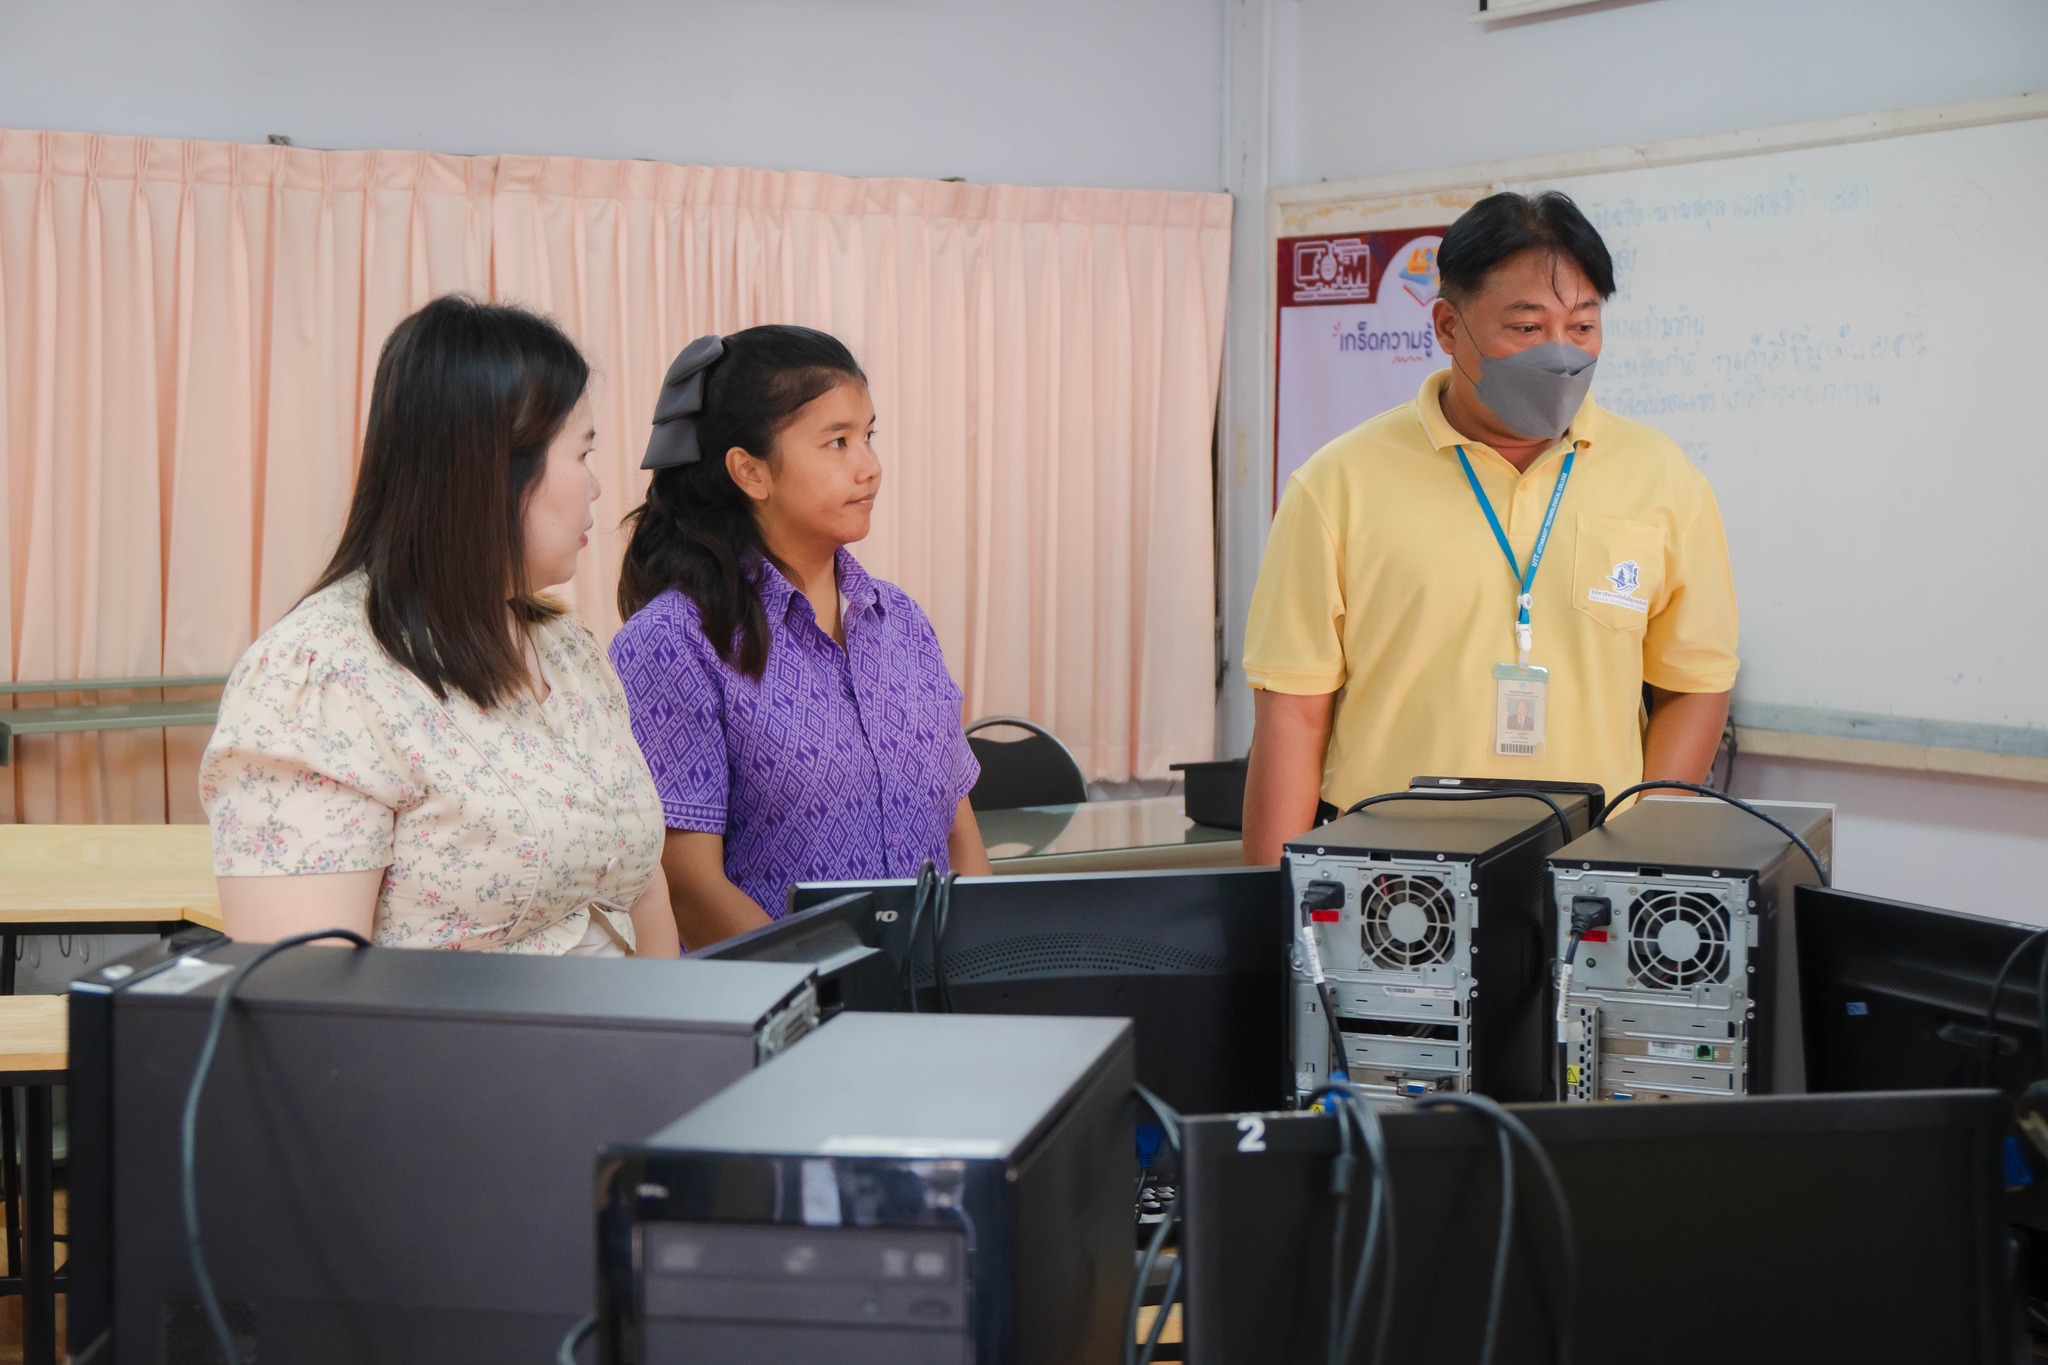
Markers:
point(1036, 770)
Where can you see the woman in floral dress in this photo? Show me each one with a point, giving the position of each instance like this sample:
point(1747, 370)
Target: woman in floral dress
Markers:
point(425, 750)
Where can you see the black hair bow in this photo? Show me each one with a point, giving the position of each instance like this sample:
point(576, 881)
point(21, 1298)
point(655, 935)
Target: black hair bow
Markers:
point(682, 397)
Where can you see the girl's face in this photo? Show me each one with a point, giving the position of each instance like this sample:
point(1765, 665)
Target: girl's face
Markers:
point(556, 520)
point(819, 488)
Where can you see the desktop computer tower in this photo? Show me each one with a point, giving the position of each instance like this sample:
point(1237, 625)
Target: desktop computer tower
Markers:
point(897, 1190)
point(1429, 919)
point(393, 1147)
point(1690, 991)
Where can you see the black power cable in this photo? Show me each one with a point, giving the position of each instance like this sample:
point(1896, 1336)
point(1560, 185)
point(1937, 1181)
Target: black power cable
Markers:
point(2041, 1002)
point(1988, 1047)
point(1377, 1250)
point(1497, 1285)
point(1588, 913)
point(1340, 1186)
point(2012, 960)
point(188, 1127)
point(927, 878)
point(565, 1354)
point(1773, 821)
point(1564, 824)
point(942, 918)
point(1169, 1122)
point(1513, 1128)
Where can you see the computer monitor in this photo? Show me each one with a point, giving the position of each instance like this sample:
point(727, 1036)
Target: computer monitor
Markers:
point(1196, 958)
point(1773, 1231)
point(828, 937)
point(1896, 997)
point(395, 1148)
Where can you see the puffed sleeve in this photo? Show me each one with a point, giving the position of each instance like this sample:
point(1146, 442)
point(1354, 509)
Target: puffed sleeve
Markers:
point(677, 709)
point(297, 778)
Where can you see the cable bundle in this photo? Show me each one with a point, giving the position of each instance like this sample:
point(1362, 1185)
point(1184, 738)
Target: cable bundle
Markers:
point(934, 894)
point(1354, 1111)
point(1512, 1132)
point(1169, 1122)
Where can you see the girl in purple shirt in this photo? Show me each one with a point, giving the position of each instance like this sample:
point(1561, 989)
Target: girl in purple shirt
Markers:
point(796, 713)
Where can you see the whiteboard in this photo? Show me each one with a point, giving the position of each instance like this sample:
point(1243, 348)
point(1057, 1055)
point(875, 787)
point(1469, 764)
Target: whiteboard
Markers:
point(1845, 335)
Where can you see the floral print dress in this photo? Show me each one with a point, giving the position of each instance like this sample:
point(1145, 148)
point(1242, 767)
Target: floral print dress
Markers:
point(502, 830)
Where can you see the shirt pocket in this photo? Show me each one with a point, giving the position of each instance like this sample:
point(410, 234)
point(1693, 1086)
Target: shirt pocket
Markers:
point(1618, 571)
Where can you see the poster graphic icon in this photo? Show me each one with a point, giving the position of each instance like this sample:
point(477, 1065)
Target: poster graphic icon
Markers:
point(1332, 270)
point(1419, 275)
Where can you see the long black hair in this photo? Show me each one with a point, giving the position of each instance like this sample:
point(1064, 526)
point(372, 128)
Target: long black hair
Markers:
point(467, 399)
point(696, 531)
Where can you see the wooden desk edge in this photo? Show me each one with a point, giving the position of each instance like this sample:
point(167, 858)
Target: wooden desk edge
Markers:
point(1144, 858)
point(28, 919)
point(34, 1039)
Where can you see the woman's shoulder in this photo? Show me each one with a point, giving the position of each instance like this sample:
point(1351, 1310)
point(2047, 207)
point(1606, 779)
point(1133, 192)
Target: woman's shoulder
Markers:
point(901, 607)
point(570, 642)
point(911, 639)
point(320, 663)
point(665, 616)
point(667, 628)
point(327, 635)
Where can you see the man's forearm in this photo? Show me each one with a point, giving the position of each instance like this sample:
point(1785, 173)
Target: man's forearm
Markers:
point(1685, 734)
point(1284, 780)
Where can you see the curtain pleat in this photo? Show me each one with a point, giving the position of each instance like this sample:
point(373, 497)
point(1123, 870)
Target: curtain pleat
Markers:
point(189, 330)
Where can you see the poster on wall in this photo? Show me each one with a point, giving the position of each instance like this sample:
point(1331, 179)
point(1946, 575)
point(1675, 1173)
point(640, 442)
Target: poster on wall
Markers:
point(1354, 335)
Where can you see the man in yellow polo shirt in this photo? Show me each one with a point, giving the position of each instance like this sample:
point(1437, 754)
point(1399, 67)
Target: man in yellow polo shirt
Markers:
point(1413, 616)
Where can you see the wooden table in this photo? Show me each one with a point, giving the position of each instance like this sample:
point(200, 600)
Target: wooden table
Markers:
point(1144, 834)
point(34, 1032)
point(105, 879)
point(69, 879)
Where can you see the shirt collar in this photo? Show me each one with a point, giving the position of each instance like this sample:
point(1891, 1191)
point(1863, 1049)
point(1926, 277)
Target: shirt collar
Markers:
point(778, 595)
point(1429, 407)
point(855, 586)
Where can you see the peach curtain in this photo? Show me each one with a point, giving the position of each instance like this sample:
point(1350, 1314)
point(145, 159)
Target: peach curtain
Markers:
point(188, 331)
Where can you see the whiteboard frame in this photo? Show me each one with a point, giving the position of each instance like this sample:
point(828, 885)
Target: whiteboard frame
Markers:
point(1419, 198)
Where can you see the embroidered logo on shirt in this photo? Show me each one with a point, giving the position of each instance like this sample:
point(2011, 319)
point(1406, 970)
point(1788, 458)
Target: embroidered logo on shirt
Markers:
point(1627, 576)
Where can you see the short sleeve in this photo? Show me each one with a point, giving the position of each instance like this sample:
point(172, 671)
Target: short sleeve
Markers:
point(1294, 641)
point(295, 780)
point(1690, 644)
point(676, 707)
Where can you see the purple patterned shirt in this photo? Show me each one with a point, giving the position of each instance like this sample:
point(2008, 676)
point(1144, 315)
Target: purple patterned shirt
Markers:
point(839, 764)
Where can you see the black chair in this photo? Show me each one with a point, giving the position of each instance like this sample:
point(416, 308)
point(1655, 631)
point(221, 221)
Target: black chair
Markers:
point(1035, 770)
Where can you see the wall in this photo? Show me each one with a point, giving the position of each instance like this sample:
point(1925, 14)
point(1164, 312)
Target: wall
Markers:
point(1402, 85)
point(1055, 92)
point(1957, 842)
point(1365, 89)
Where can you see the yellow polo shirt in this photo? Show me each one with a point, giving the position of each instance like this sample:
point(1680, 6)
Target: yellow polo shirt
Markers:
point(1383, 584)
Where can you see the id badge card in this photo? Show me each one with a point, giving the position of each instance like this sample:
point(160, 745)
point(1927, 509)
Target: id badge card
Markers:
point(1519, 696)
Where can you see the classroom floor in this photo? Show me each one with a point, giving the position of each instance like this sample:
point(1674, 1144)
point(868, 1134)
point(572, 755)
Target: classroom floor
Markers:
point(10, 1308)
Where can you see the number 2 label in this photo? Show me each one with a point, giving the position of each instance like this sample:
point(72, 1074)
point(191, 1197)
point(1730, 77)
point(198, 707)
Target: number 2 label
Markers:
point(1254, 1130)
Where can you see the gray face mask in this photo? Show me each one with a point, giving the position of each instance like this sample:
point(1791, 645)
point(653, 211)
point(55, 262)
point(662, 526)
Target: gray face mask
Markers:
point(1536, 392)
